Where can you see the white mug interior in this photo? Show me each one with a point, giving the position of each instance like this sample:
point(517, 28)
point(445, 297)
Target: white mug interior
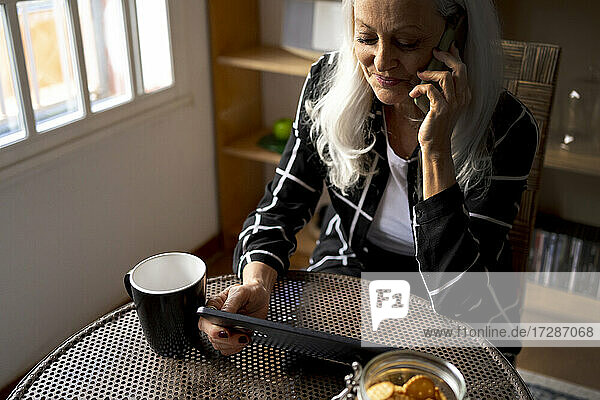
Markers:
point(167, 272)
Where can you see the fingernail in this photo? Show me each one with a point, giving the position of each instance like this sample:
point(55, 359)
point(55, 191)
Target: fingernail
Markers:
point(243, 339)
point(223, 335)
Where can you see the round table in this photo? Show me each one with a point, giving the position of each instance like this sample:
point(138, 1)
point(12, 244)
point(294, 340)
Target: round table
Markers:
point(111, 359)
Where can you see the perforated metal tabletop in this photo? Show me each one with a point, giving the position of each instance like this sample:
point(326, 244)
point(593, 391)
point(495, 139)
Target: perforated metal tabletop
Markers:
point(111, 359)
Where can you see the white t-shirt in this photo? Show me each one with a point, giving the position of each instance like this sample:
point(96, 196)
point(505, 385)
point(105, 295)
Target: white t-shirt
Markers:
point(391, 228)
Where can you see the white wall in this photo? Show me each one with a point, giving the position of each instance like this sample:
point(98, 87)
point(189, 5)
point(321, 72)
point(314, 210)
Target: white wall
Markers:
point(70, 229)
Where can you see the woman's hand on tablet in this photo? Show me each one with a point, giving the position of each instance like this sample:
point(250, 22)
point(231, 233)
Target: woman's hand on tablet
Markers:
point(251, 298)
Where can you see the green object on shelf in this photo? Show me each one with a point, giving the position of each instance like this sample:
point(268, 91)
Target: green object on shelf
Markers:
point(282, 128)
point(270, 142)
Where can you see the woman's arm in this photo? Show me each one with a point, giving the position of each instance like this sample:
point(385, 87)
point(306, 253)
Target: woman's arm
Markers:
point(269, 233)
point(259, 273)
point(436, 130)
point(454, 234)
point(438, 171)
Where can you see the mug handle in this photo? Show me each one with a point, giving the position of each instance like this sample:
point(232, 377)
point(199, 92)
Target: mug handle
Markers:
point(127, 282)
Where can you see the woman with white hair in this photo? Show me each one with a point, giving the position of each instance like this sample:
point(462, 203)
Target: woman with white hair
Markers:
point(409, 192)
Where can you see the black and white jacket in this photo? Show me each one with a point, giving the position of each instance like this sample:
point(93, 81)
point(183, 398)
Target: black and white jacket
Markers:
point(453, 232)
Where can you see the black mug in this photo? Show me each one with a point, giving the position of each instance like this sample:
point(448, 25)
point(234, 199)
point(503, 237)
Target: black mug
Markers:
point(167, 289)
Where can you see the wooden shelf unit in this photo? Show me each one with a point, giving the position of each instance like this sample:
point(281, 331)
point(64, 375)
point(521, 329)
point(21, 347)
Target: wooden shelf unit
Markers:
point(237, 105)
point(247, 148)
point(238, 60)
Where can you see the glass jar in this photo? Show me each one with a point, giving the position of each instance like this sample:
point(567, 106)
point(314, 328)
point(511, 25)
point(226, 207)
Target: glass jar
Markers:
point(398, 367)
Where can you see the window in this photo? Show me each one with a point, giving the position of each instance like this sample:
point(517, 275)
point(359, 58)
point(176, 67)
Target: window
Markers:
point(50, 59)
point(153, 31)
point(11, 122)
point(105, 48)
point(62, 61)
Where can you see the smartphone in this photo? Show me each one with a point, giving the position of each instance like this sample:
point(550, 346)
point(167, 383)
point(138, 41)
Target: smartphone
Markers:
point(456, 31)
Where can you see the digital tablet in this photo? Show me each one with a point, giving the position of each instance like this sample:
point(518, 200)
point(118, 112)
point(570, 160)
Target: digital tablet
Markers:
point(305, 341)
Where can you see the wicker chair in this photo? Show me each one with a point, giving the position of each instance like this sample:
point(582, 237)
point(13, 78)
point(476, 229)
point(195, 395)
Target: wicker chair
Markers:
point(530, 73)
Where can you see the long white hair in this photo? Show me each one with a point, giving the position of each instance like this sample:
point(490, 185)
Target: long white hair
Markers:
point(339, 116)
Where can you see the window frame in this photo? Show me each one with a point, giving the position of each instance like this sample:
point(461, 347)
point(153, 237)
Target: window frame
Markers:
point(40, 147)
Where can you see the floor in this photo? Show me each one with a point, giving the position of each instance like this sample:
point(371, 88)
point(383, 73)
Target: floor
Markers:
point(543, 387)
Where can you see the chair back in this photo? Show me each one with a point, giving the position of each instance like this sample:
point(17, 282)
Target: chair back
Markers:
point(530, 73)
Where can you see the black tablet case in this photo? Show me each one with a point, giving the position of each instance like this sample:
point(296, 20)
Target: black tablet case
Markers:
point(305, 341)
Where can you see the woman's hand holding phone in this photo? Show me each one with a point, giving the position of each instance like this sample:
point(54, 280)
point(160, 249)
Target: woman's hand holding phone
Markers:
point(445, 106)
point(250, 298)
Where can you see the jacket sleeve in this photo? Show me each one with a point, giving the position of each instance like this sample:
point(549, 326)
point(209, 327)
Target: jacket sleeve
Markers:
point(289, 201)
point(455, 235)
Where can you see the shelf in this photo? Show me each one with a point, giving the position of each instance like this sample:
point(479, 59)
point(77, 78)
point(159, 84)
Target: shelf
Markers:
point(555, 305)
point(247, 148)
point(268, 59)
point(557, 158)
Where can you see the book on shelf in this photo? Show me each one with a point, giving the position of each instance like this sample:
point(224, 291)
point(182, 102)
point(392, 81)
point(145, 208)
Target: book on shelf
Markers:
point(548, 265)
point(565, 262)
point(574, 253)
point(562, 265)
point(586, 281)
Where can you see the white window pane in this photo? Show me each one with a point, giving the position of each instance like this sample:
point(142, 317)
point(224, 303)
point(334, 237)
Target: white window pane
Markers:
point(105, 50)
point(49, 55)
point(11, 121)
point(155, 49)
